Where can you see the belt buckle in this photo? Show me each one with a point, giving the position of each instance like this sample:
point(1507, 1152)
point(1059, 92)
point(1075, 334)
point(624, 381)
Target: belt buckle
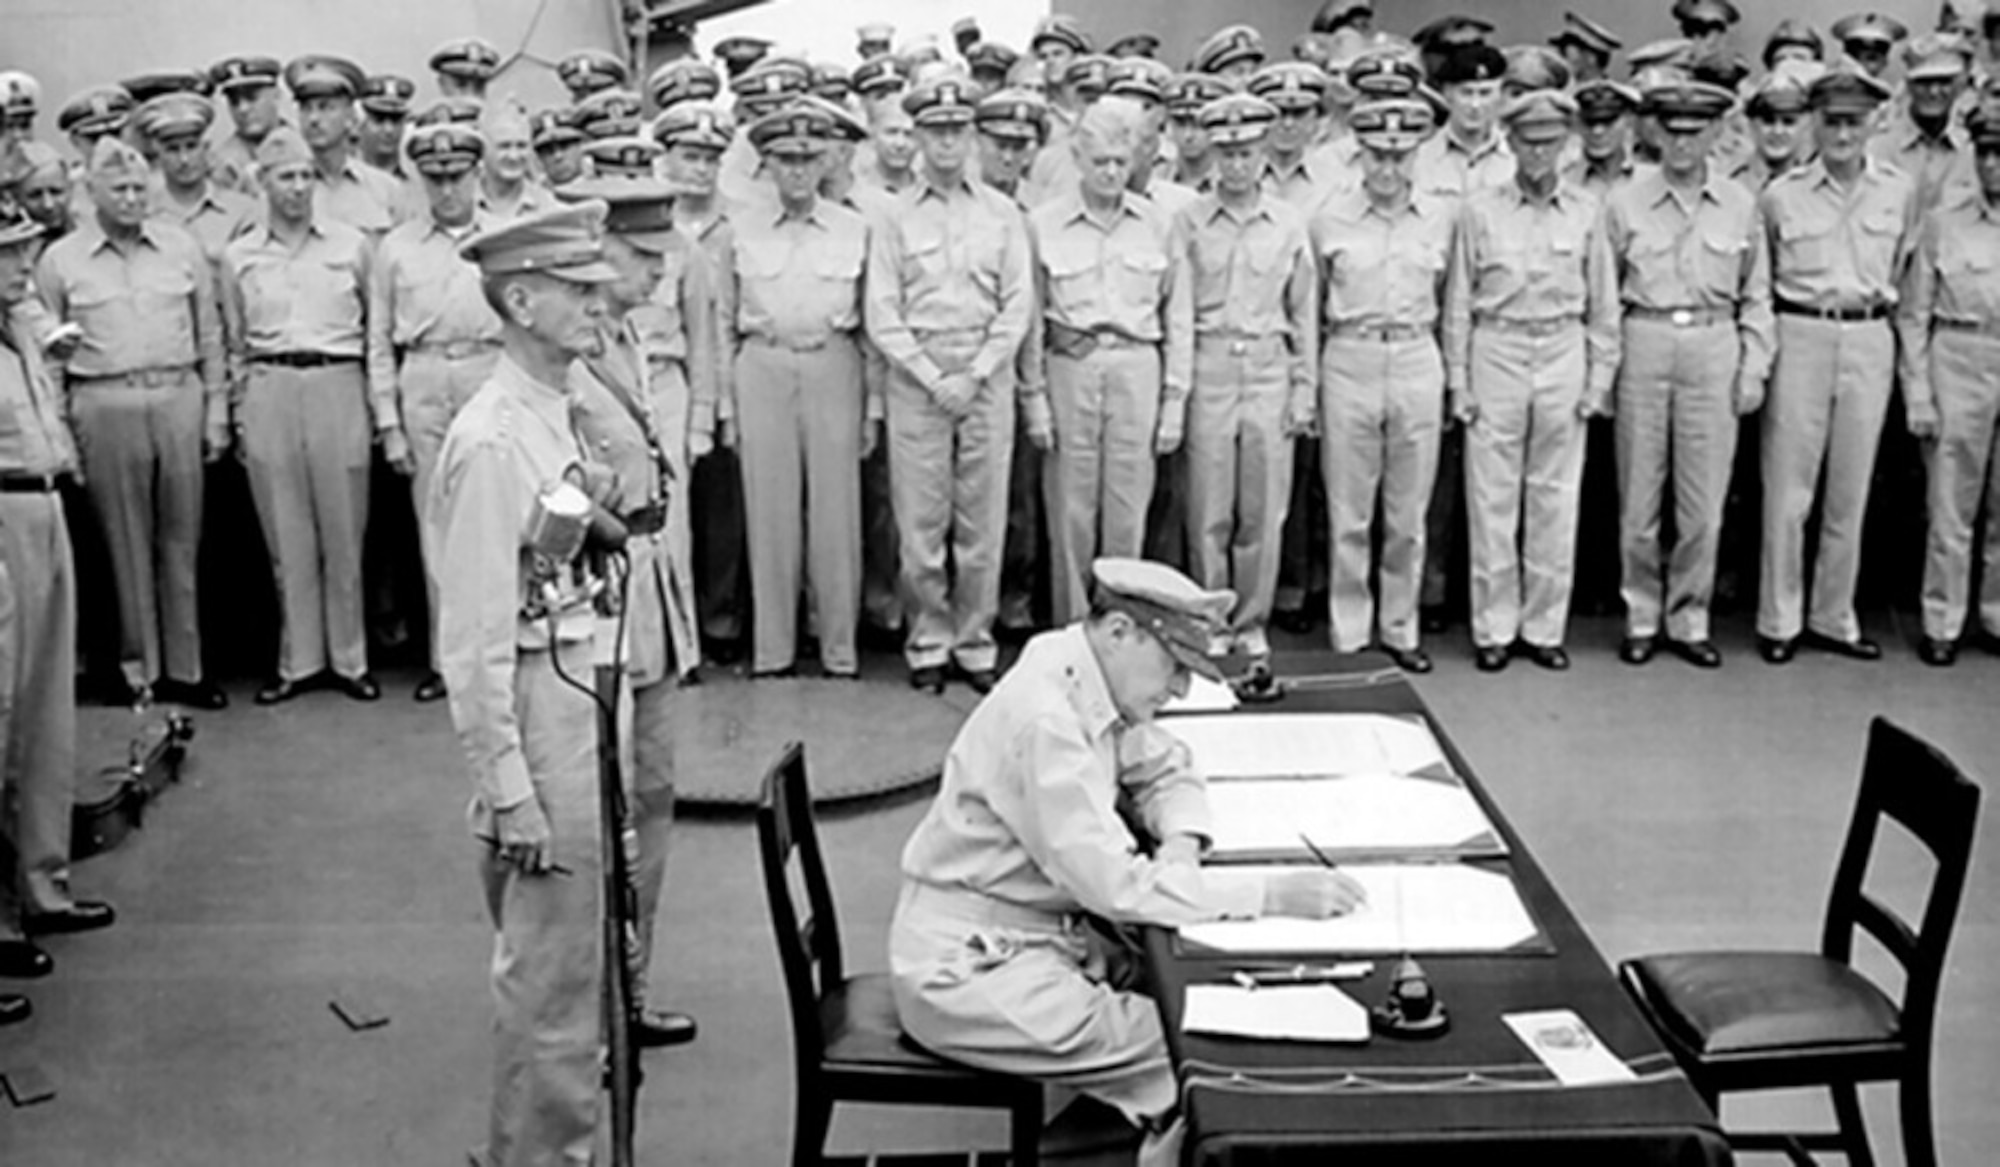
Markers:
point(1238, 348)
point(1682, 317)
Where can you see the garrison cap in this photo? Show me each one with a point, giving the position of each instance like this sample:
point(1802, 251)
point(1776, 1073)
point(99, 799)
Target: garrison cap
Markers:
point(1180, 613)
point(684, 79)
point(1063, 29)
point(1846, 88)
point(549, 128)
point(113, 157)
point(323, 75)
point(388, 95)
point(1137, 44)
point(1535, 67)
point(741, 52)
point(639, 208)
point(564, 242)
point(101, 109)
point(878, 77)
point(1672, 53)
point(1940, 55)
point(1228, 46)
point(16, 227)
point(1289, 84)
point(1385, 73)
point(283, 146)
point(1784, 89)
point(1868, 28)
point(1187, 93)
point(798, 130)
point(459, 109)
point(1586, 33)
point(1473, 62)
point(1604, 100)
point(1722, 68)
point(470, 57)
point(695, 123)
point(1018, 114)
point(1450, 32)
point(1088, 73)
point(1392, 123)
point(233, 73)
point(991, 57)
point(1791, 31)
point(874, 38)
point(1687, 104)
point(444, 149)
point(1141, 77)
point(1238, 117)
point(830, 81)
point(946, 100)
point(609, 113)
point(19, 93)
point(1720, 13)
point(1534, 113)
point(146, 86)
point(174, 115)
point(588, 71)
point(1982, 126)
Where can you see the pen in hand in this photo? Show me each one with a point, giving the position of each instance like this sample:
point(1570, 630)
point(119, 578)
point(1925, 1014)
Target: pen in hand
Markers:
point(1326, 861)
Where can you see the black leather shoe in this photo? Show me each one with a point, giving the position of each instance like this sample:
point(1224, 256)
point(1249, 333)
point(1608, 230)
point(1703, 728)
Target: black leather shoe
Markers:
point(1700, 653)
point(361, 688)
point(1937, 653)
point(14, 1007)
point(930, 678)
point(656, 1028)
point(1410, 660)
point(22, 960)
point(81, 916)
point(1549, 656)
point(981, 680)
point(1490, 658)
point(430, 689)
point(1860, 648)
point(1637, 650)
point(279, 691)
point(1777, 652)
point(194, 695)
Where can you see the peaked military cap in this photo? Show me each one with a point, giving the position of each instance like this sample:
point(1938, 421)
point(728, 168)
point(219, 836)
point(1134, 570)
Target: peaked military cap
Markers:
point(1231, 45)
point(1537, 111)
point(16, 227)
point(695, 123)
point(1385, 73)
point(1141, 77)
point(458, 109)
point(1238, 117)
point(1671, 52)
point(609, 113)
point(830, 81)
point(1089, 73)
point(1846, 88)
point(1289, 84)
point(877, 77)
point(588, 71)
point(444, 149)
point(1586, 33)
point(632, 155)
point(1868, 27)
point(1790, 31)
point(19, 92)
point(101, 109)
point(1393, 123)
point(473, 58)
point(1063, 29)
point(174, 115)
point(1449, 32)
point(565, 242)
point(771, 81)
point(1137, 44)
point(233, 73)
point(685, 79)
point(388, 94)
point(322, 75)
point(1720, 13)
point(945, 100)
point(1602, 100)
point(991, 57)
point(1013, 113)
point(1720, 67)
point(549, 128)
point(796, 130)
point(1939, 55)
point(873, 38)
point(146, 86)
point(1784, 90)
point(1187, 93)
point(1475, 62)
point(1173, 608)
point(1687, 104)
point(1535, 67)
point(741, 52)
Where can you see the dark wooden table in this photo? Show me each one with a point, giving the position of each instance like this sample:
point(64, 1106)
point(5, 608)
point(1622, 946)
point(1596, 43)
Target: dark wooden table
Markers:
point(1475, 1095)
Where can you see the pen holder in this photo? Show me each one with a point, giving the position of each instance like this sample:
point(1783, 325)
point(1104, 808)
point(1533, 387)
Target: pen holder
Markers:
point(1412, 1010)
point(1258, 685)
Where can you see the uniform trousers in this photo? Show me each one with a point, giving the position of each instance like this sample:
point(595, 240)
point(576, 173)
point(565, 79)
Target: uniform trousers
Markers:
point(799, 413)
point(1829, 393)
point(547, 951)
point(40, 739)
point(306, 445)
point(1523, 468)
point(1965, 371)
point(1382, 413)
point(1098, 483)
point(1239, 473)
point(1675, 422)
point(141, 449)
point(948, 477)
point(433, 386)
point(651, 810)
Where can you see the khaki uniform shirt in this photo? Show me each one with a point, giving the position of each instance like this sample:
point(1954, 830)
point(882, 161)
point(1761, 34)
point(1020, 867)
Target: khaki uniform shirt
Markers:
point(1028, 808)
point(1383, 268)
point(1520, 259)
point(1709, 255)
point(34, 439)
point(312, 298)
point(1954, 276)
point(1942, 167)
point(1835, 248)
point(358, 195)
point(219, 215)
point(1253, 277)
point(793, 280)
point(421, 294)
point(1446, 167)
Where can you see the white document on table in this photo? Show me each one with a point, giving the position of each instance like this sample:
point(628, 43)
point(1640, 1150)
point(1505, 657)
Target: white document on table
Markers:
point(1411, 907)
point(1568, 1047)
point(1275, 1012)
point(1361, 812)
point(1280, 745)
point(1203, 696)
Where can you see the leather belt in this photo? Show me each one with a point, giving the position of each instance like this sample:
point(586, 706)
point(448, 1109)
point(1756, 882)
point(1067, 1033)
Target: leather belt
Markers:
point(1682, 317)
point(798, 344)
point(1239, 345)
point(1844, 315)
point(137, 378)
point(302, 360)
point(1078, 343)
point(1550, 326)
point(1976, 327)
point(454, 350)
point(12, 483)
point(1381, 333)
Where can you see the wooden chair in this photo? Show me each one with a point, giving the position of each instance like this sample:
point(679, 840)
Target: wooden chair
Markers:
point(1739, 1021)
point(847, 1045)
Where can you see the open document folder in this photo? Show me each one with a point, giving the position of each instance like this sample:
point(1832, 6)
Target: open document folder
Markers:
point(1275, 1013)
point(1365, 814)
point(1307, 745)
point(1411, 907)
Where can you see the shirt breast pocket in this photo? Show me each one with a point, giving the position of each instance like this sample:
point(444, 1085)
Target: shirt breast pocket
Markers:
point(1141, 279)
point(839, 266)
point(1070, 277)
point(1881, 231)
point(926, 258)
point(1806, 247)
point(761, 260)
point(1719, 262)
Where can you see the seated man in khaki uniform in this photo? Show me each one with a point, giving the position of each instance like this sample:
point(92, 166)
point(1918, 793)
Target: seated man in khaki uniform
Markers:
point(990, 949)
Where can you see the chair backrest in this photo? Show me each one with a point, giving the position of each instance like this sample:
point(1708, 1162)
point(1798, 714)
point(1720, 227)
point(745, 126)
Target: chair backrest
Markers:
point(1906, 780)
point(809, 933)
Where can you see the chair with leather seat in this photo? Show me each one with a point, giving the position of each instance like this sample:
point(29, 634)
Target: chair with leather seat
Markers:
point(846, 1042)
point(1741, 1021)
